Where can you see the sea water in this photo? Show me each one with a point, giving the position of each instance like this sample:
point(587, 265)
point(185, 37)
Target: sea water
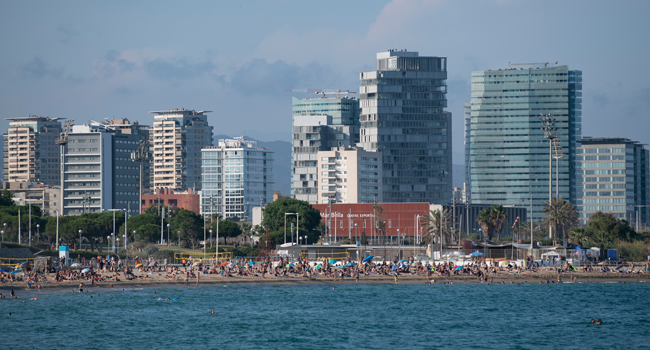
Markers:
point(327, 316)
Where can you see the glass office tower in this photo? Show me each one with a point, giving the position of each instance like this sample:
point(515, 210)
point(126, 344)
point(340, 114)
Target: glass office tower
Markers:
point(615, 179)
point(509, 156)
point(403, 116)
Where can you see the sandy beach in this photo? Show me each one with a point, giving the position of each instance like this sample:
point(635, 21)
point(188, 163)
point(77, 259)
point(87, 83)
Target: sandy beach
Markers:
point(160, 280)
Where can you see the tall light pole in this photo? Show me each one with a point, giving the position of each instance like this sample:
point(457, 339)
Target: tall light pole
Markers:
point(57, 229)
point(168, 235)
point(548, 126)
point(3, 232)
point(79, 239)
point(38, 231)
point(162, 225)
point(62, 141)
point(285, 226)
point(115, 232)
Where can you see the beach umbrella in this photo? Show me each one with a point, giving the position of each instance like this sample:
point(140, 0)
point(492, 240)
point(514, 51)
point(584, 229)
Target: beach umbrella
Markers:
point(318, 267)
point(4, 270)
point(85, 270)
point(332, 261)
point(477, 253)
point(368, 258)
point(403, 260)
point(458, 268)
point(224, 263)
point(395, 267)
point(251, 263)
point(350, 264)
point(15, 272)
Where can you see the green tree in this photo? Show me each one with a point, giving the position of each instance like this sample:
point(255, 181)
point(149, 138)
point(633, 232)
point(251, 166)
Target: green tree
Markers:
point(560, 215)
point(187, 226)
point(432, 224)
point(498, 217)
point(228, 228)
point(606, 229)
point(147, 233)
point(6, 199)
point(484, 219)
point(274, 215)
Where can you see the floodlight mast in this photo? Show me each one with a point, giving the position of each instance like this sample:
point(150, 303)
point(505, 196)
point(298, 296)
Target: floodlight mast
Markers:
point(63, 141)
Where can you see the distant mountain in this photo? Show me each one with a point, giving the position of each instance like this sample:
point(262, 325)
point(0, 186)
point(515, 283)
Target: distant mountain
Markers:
point(282, 164)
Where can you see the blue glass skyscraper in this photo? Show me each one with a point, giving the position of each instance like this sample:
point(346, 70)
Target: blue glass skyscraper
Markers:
point(509, 156)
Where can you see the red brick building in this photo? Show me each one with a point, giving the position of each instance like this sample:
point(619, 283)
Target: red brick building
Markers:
point(350, 220)
point(184, 200)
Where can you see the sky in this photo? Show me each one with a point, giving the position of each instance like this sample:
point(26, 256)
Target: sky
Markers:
point(87, 60)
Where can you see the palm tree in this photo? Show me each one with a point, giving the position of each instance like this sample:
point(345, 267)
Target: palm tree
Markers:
point(560, 215)
point(432, 224)
point(484, 220)
point(498, 218)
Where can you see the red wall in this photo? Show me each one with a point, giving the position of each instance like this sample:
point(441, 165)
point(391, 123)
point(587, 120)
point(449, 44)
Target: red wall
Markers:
point(400, 216)
point(188, 201)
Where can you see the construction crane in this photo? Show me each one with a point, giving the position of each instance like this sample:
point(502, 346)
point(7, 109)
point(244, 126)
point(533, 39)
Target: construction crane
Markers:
point(322, 92)
point(531, 64)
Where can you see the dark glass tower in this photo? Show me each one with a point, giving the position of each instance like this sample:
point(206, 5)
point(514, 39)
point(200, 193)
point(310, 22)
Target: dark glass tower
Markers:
point(403, 116)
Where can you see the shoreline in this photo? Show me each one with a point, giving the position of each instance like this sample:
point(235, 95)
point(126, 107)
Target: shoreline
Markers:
point(161, 281)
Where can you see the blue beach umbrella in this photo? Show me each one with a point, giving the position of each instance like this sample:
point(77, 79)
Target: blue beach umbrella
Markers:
point(15, 272)
point(402, 260)
point(251, 263)
point(332, 261)
point(4, 270)
point(318, 267)
point(368, 258)
point(477, 253)
point(395, 267)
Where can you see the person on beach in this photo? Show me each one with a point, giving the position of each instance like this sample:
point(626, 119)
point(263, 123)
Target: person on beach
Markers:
point(395, 274)
point(81, 287)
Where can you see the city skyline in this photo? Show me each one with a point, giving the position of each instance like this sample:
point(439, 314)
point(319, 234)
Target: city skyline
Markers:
point(77, 64)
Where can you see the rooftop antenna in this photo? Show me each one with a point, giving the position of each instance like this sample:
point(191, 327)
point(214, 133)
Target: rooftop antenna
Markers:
point(531, 64)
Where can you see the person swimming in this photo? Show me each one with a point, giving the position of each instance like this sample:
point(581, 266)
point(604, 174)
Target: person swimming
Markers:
point(81, 287)
point(593, 321)
point(599, 321)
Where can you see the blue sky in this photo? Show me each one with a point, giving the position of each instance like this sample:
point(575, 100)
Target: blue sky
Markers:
point(93, 60)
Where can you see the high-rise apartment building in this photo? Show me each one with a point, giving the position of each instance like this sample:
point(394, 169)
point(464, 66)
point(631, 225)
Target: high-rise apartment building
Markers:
point(349, 175)
point(99, 173)
point(467, 108)
point(30, 151)
point(237, 176)
point(403, 116)
point(615, 179)
point(176, 140)
point(318, 125)
point(508, 151)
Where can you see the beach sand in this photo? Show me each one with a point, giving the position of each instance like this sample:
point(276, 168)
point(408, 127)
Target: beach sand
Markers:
point(160, 280)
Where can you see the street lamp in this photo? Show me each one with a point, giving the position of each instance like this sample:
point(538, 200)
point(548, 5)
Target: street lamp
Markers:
point(118, 243)
point(305, 239)
point(38, 232)
point(168, 235)
point(210, 237)
point(3, 236)
point(79, 239)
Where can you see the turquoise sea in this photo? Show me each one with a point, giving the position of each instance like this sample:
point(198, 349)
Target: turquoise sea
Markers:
point(352, 316)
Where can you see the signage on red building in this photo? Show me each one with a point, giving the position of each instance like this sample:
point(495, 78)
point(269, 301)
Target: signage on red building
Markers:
point(351, 220)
